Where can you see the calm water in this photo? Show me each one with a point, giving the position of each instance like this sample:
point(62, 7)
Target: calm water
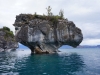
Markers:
point(67, 62)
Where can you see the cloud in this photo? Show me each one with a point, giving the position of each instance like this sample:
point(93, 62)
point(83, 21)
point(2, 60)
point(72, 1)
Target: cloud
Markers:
point(91, 42)
point(84, 13)
point(90, 30)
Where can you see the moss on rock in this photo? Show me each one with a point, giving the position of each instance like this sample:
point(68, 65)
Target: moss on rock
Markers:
point(8, 32)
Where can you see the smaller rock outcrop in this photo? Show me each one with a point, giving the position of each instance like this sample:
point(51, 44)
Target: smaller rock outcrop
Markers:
point(7, 39)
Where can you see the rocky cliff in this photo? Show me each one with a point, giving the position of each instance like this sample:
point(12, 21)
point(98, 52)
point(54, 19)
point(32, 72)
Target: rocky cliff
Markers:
point(45, 34)
point(7, 40)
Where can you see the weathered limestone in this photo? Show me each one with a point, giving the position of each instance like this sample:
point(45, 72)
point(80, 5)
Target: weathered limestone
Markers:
point(7, 42)
point(44, 36)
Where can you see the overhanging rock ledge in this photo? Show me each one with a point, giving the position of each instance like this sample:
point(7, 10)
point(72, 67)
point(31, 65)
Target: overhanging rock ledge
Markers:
point(45, 36)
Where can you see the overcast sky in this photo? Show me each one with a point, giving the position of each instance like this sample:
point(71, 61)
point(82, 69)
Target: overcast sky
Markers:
point(84, 13)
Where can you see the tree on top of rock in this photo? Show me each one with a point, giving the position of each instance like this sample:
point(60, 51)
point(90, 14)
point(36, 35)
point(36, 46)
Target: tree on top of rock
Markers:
point(61, 13)
point(49, 11)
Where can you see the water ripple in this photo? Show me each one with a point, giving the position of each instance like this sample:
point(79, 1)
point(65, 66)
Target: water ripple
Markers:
point(73, 62)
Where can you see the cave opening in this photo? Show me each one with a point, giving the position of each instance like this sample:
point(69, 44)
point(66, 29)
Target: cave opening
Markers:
point(23, 47)
point(65, 47)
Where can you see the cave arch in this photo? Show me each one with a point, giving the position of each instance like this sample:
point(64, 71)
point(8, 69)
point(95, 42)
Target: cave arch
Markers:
point(65, 47)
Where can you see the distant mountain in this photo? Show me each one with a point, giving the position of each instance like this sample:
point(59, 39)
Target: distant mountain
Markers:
point(65, 46)
point(88, 46)
point(81, 46)
point(98, 46)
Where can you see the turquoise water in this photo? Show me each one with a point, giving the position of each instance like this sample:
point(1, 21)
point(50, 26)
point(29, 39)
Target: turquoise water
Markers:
point(67, 62)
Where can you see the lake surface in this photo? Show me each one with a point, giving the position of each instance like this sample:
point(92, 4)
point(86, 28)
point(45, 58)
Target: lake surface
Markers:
point(67, 62)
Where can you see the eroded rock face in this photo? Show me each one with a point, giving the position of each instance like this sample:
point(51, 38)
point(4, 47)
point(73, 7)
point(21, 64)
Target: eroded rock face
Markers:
point(7, 42)
point(44, 34)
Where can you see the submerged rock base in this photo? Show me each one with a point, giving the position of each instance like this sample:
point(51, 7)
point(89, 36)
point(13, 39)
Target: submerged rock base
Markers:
point(39, 51)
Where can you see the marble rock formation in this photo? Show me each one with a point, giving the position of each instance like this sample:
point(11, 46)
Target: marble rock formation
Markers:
point(7, 42)
point(45, 36)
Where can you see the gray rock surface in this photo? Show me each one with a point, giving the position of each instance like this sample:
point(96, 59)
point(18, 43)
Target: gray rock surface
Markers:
point(44, 34)
point(7, 42)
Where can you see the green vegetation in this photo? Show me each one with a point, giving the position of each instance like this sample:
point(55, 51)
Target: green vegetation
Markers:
point(8, 32)
point(52, 18)
point(6, 28)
